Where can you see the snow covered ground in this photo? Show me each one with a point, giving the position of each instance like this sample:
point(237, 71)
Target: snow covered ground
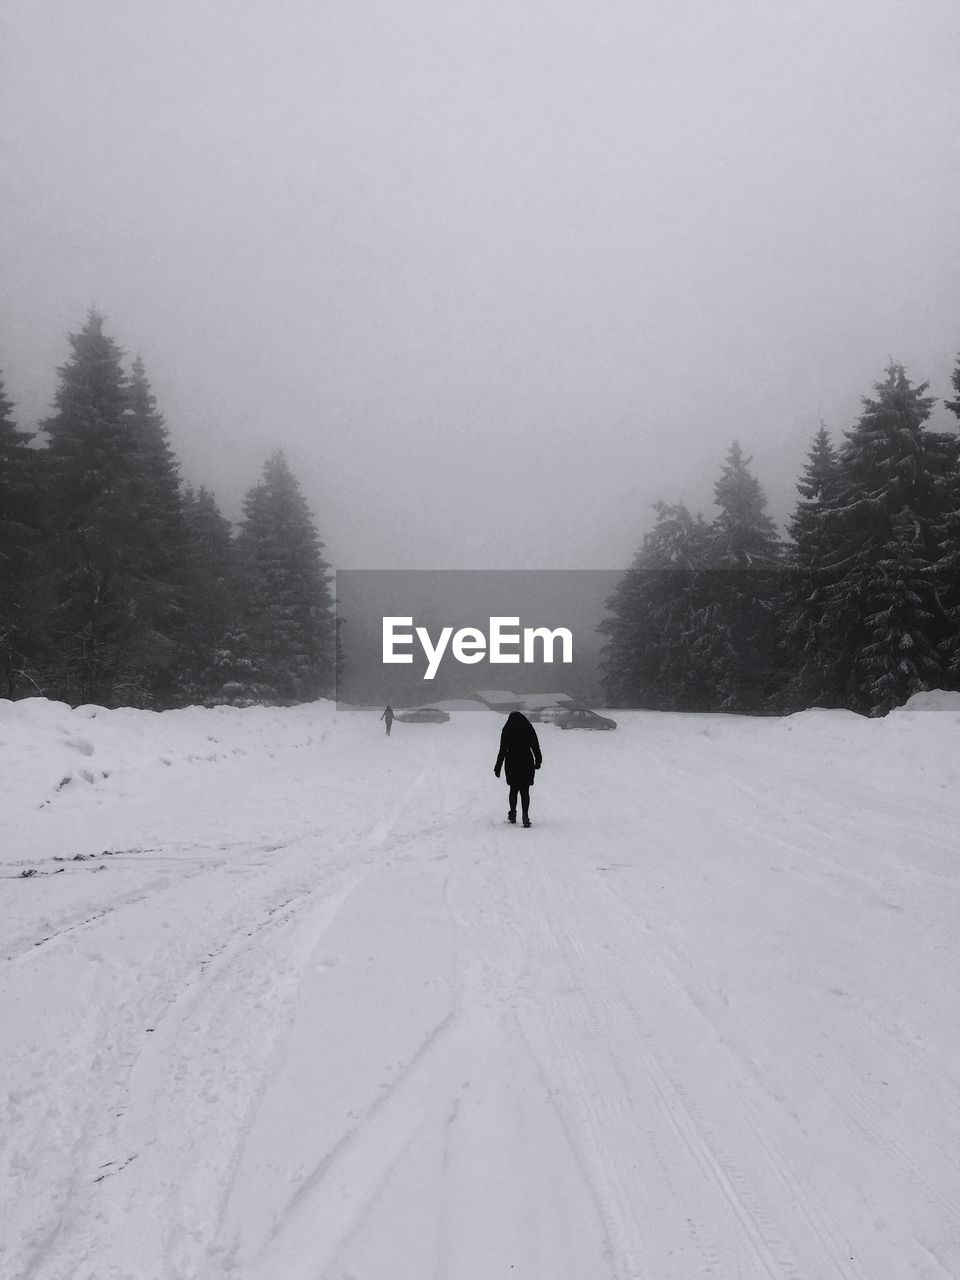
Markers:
point(284, 999)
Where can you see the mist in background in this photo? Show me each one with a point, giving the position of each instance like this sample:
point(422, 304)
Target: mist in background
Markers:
point(496, 276)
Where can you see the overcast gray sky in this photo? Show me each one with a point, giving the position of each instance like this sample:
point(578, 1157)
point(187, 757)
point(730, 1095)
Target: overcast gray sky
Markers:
point(495, 274)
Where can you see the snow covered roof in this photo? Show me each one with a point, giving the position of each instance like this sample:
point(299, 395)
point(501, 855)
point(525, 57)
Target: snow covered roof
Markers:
point(544, 699)
point(497, 697)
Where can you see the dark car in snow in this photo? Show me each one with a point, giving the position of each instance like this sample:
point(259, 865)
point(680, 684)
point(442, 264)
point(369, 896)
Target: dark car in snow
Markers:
point(581, 718)
point(423, 715)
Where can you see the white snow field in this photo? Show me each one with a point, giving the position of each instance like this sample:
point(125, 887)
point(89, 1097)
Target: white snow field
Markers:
point(289, 1000)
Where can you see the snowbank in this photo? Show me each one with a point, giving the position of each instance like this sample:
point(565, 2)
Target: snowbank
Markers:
point(53, 755)
point(931, 700)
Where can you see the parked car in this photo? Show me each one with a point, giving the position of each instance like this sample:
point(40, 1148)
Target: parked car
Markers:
point(581, 718)
point(423, 715)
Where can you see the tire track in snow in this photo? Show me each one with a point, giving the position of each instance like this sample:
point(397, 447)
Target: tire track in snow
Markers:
point(496, 970)
point(88, 1221)
point(705, 792)
point(875, 885)
point(433, 1104)
point(678, 992)
point(309, 932)
point(197, 867)
point(852, 1101)
point(795, 1191)
point(760, 1236)
point(25, 946)
point(335, 1196)
point(206, 1057)
point(838, 799)
point(585, 1107)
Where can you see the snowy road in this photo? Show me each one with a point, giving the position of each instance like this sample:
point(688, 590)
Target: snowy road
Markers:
point(320, 1013)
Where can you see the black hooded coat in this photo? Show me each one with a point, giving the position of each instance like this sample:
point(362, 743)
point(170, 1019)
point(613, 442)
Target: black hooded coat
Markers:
point(519, 750)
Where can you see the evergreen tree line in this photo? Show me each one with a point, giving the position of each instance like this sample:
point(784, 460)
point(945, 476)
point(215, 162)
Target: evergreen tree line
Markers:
point(119, 586)
point(859, 607)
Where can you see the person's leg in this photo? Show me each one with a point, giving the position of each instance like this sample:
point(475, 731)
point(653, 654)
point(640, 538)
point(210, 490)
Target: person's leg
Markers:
point(525, 804)
point(512, 815)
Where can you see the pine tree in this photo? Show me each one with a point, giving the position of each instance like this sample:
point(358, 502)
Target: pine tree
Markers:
point(885, 529)
point(954, 405)
point(901, 656)
point(745, 536)
point(817, 488)
point(286, 602)
point(154, 493)
point(236, 675)
point(155, 485)
point(109, 513)
point(210, 601)
point(629, 668)
point(650, 658)
point(948, 565)
point(812, 658)
point(20, 575)
point(89, 462)
point(738, 626)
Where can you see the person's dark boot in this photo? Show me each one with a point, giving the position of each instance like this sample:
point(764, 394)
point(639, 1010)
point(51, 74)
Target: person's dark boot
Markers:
point(526, 820)
point(512, 815)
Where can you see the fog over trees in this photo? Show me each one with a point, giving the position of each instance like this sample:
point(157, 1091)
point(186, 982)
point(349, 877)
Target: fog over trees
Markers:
point(119, 585)
point(858, 608)
point(121, 588)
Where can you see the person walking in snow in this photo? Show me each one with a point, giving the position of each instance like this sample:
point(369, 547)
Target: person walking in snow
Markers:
point(388, 716)
point(520, 753)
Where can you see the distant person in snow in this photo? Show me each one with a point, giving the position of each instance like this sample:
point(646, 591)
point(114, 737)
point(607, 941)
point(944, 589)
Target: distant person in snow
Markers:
point(388, 716)
point(520, 752)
